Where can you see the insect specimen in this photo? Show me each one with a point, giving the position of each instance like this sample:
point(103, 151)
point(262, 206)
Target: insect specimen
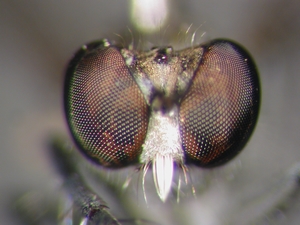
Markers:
point(162, 108)
point(268, 143)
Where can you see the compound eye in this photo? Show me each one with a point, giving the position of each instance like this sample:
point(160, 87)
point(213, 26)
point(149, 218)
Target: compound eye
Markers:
point(106, 112)
point(220, 108)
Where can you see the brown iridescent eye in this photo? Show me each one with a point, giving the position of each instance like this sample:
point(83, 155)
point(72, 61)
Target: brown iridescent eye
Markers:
point(220, 108)
point(106, 112)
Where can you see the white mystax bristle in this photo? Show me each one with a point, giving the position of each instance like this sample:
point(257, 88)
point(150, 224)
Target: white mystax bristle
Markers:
point(162, 166)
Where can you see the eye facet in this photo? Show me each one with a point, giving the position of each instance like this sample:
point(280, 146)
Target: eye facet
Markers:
point(220, 108)
point(105, 109)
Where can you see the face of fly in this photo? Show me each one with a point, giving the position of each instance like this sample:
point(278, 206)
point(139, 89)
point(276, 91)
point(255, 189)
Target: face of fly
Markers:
point(161, 107)
point(163, 78)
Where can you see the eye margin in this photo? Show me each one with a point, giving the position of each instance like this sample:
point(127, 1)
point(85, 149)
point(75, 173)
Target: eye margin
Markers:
point(72, 65)
point(69, 76)
point(237, 147)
